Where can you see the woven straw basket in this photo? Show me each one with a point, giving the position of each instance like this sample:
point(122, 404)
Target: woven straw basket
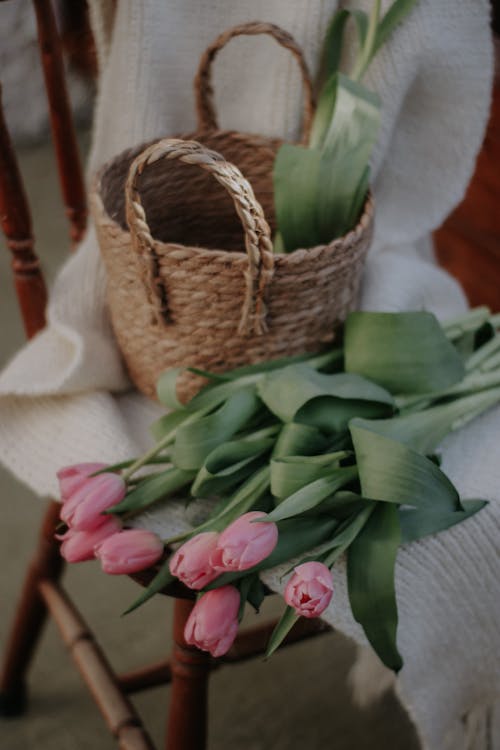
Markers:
point(186, 240)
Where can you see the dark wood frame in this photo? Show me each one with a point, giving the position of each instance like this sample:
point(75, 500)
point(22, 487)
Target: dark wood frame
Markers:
point(42, 594)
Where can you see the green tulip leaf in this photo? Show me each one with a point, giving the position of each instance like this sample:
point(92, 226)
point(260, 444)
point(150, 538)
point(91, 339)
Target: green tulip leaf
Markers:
point(166, 388)
point(169, 423)
point(296, 193)
point(295, 439)
point(403, 352)
point(253, 591)
point(194, 442)
point(347, 532)
point(371, 561)
point(394, 473)
point(416, 524)
point(291, 473)
point(228, 464)
point(343, 504)
point(281, 630)
point(162, 579)
point(393, 17)
point(213, 396)
point(153, 488)
point(332, 415)
point(312, 495)
point(288, 391)
point(332, 49)
point(346, 147)
point(314, 205)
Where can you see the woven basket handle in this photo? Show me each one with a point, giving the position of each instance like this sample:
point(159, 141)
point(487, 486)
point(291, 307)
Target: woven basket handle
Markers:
point(257, 234)
point(203, 90)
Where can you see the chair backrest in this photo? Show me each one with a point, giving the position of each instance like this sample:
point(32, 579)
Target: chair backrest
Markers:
point(15, 215)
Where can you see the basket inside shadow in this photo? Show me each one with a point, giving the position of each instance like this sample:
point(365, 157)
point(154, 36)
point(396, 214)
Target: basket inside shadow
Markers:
point(184, 204)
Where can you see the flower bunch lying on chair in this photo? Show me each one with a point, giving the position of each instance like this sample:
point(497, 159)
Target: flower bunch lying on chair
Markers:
point(305, 460)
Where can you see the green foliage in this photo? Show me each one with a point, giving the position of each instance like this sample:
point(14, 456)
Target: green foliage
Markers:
point(405, 353)
point(319, 191)
point(280, 632)
point(340, 464)
point(153, 488)
point(394, 473)
point(370, 577)
point(195, 441)
point(287, 393)
point(312, 495)
point(162, 579)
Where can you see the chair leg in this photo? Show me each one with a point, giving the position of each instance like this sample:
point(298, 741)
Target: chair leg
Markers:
point(30, 617)
point(190, 668)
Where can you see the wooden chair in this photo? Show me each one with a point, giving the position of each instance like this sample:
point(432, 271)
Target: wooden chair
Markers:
point(188, 669)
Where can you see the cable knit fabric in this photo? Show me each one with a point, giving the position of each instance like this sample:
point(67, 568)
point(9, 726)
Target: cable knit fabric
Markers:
point(66, 397)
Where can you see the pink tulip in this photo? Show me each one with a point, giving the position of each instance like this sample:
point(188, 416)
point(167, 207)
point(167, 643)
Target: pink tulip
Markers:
point(310, 589)
point(129, 551)
point(84, 509)
point(213, 622)
point(72, 477)
point(191, 562)
point(244, 543)
point(78, 546)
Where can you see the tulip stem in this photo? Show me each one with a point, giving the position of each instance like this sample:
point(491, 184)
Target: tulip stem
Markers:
point(369, 46)
point(470, 321)
point(149, 456)
point(125, 464)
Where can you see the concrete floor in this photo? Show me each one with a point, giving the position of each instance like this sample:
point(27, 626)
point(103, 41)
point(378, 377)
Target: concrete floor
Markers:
point(297, 700)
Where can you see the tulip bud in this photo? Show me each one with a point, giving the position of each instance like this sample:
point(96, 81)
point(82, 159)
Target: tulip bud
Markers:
point(191, 562)
point(78, 546)
point(213, 622)
point(129, 551)
point(84, 509)
point(244, 543)
point(72, 477)
point(310, 589)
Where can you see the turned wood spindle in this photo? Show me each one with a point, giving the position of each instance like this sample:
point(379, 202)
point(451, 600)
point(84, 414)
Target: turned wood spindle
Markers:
point(15, 219)
point(63, 132)
point(189, 669)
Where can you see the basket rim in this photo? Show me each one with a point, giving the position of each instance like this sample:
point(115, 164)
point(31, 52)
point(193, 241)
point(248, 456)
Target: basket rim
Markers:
point(103, 217)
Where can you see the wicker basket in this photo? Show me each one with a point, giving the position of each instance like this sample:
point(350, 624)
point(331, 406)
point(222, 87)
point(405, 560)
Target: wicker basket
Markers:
point(192, 279)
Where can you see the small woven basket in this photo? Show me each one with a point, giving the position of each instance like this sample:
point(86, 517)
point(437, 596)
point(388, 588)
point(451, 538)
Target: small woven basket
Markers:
point(186, 240)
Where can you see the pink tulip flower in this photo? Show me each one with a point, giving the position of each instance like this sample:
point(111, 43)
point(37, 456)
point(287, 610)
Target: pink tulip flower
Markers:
point(129, 551)
point(244, 543)
point(72, 477)
point(213, 622)
point(310, 589)
point(78, 546)
point(84, 509)
point(191, 562)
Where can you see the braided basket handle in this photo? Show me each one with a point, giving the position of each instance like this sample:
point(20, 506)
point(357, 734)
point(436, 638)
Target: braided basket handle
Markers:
point(207, 119)
point(257, 234)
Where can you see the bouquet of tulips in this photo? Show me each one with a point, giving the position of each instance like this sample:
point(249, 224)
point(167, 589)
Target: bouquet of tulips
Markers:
point(303, 460)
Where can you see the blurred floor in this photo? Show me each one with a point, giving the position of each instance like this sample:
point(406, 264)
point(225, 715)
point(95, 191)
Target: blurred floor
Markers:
point(297, 700)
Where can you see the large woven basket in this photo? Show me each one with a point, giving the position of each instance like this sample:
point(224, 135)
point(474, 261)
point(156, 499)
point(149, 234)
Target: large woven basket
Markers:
point(186, 240)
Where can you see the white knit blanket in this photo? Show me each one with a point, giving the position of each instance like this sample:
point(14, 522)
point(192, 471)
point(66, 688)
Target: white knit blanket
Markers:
point(65, 397)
